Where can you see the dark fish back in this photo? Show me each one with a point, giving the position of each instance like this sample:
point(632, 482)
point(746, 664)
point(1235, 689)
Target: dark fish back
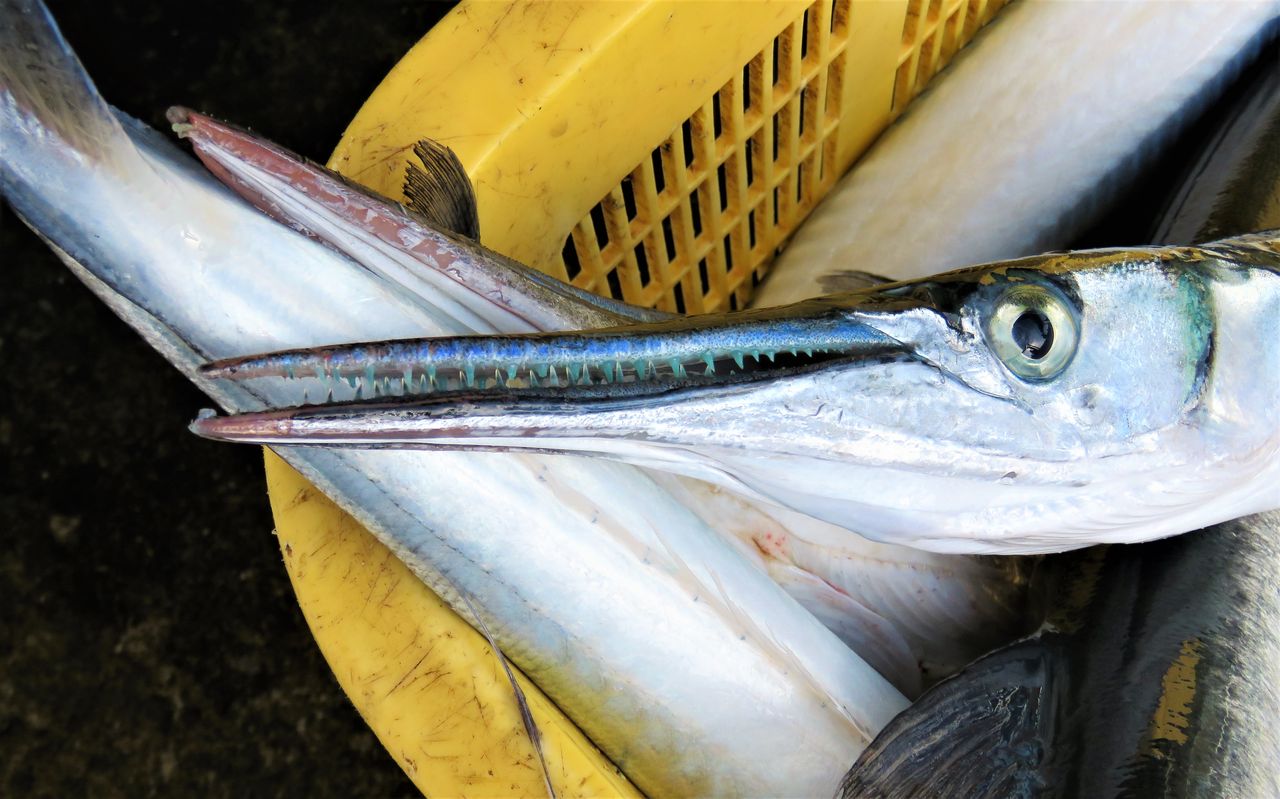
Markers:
point(1234, 185)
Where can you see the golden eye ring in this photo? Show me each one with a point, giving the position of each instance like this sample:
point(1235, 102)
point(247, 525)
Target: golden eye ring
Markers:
point(1034, 329)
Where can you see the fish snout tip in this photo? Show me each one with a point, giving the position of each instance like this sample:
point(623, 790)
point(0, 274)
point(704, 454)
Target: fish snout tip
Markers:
point(200, 425)
point(188, 123)
point(178, 115)
point(239, 428)
point(181, 120)
point(218, 370)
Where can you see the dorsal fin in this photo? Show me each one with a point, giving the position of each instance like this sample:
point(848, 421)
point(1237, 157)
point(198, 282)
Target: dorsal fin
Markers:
point(440, 192)
point(979, 733)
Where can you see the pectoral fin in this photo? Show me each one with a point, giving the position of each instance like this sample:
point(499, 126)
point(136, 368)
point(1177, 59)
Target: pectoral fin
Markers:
point(980, 733)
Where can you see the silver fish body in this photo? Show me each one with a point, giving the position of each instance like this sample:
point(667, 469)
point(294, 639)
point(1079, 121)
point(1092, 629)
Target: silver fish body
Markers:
point(1155, 675)
point(912, 615)
point(846, 408)
point(1006, 408)
point(705, 644)
point(1156, 671)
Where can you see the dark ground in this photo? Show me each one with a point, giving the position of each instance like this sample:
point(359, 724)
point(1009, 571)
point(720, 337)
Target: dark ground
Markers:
point(149, 641)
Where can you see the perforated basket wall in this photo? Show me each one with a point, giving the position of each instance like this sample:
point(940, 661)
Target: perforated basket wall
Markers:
point(694, 227)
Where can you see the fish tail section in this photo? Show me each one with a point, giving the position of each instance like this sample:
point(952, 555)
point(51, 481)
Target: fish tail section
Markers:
point(48, 103)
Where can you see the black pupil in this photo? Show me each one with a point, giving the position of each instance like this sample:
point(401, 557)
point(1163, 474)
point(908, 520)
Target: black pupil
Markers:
point(1033, 333)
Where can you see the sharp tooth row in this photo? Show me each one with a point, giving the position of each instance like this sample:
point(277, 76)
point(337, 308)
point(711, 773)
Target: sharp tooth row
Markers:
point(427, 379)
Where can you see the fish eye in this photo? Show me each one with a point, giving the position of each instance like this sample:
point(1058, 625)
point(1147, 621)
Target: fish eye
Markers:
point(1033, 329)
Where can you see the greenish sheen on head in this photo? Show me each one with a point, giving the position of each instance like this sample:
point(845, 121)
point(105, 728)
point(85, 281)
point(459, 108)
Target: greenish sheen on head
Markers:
point(1032, 405)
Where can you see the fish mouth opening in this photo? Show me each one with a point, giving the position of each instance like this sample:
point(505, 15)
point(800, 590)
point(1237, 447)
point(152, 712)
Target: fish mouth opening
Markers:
point(625, 361)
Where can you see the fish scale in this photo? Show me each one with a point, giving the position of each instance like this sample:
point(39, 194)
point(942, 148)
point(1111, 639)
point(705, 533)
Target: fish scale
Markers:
point(1055, 437)
point(112, 208)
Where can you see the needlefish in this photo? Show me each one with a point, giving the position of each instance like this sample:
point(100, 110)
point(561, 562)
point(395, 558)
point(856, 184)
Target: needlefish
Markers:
point(692, 671)
point(1155, 672)
point(912, 615)
point(1034, 405)
point(844, 408)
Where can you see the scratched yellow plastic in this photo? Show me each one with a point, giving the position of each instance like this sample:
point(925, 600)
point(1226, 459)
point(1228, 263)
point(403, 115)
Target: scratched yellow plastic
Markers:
point(422, 678)
point(659, 152)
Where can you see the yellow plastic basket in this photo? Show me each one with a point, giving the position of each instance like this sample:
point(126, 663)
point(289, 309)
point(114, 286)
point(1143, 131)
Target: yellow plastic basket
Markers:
point(658, 152)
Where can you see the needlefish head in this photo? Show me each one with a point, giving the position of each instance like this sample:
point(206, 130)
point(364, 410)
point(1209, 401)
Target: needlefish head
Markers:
point(1031, 405)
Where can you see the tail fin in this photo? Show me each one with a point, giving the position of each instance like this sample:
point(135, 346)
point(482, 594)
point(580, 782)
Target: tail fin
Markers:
point(46, 94)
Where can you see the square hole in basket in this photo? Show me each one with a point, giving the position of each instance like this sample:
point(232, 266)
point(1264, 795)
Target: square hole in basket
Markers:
point(717, 123)
point(722, 185)
point(642, 266)
point(804, 32)
point(686, 138)
point(911, 22)
point(659, 180)
point(615, 284)
point(629, 198)
point(598, 224)
point(572, 266)
point(777, 56)
point(777, 130)
point(840, 18)
point(835, 87)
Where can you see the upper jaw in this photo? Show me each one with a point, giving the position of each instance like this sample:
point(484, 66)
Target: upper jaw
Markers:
point(617, 361)
point(671, 383)
point(926, 320)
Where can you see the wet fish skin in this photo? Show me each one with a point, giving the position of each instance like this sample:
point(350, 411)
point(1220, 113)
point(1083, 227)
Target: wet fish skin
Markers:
point(202, 275)
point(1157, 401)
point(1156, 675)
point(925, 612)
point(469, 286)
point(915, 615)
point(1157, 671)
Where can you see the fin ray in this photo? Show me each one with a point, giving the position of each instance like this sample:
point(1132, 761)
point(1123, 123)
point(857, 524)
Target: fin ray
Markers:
point(440, 192)
point(43, 87)
point(977, 734)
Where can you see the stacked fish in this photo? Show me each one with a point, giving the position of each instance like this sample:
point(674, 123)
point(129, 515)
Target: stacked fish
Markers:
point(1034, 405)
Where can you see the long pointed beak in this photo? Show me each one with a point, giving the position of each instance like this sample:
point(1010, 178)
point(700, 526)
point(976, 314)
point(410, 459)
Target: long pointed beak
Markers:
point(430, 251)
point(485, 390)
